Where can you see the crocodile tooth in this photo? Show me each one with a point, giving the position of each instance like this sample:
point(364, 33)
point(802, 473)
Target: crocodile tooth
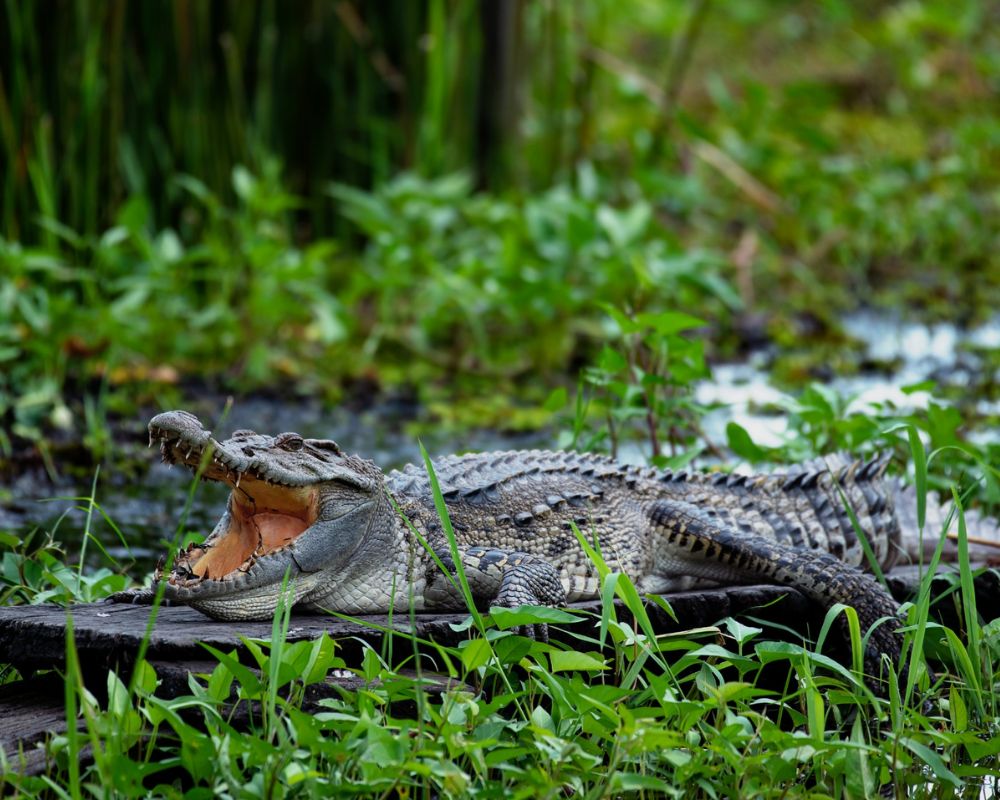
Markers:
point(238, 476)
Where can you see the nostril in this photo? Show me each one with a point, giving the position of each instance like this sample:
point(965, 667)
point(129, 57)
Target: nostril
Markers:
point(248, 451)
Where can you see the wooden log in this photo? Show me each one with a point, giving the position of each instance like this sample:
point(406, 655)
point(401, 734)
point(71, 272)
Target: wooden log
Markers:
point(108, 634)
point(30, 711)
point(105, 634)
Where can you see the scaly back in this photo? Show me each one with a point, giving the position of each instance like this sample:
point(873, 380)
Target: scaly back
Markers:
point(802, 508)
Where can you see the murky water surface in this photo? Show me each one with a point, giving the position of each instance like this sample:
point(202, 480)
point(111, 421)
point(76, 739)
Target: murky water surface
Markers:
point(917, 353)
point(149, 511)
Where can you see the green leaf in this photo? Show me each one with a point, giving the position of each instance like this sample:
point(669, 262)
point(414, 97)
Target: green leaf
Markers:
point(631, 782)
point(611, 361)
point(740, 632)
point(113, 237)
point(530, 615)
point(777, 651)
point(624, 227)
point(475, 653)
point(249, 682)
point(669, 323)
point(742, 445)
point(624, 323)
point(118, 700)
point(919, 474)
point(244, 182)
point(571, 660)
point(64, 232)
point(557, 399)
point(957, 710)
point(932, 760)
point(979, 750)
point(922, 386)
point(144, 677)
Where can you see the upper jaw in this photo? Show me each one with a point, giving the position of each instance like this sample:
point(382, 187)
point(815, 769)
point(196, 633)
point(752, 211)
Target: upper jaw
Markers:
point(284, 460)
point(196, 448)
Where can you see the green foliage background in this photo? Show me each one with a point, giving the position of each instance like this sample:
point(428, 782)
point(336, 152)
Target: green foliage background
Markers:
point(451, 193)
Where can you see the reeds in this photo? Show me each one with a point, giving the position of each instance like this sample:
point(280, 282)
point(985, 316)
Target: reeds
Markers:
point(101, 100)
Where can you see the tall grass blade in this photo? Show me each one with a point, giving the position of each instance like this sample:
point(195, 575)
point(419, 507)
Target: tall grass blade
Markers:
point(449, 532)
point(919, 457)
point(70, 688)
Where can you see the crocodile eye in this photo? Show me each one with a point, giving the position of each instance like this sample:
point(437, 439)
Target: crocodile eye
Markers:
point(326, 444)
point(289, 441)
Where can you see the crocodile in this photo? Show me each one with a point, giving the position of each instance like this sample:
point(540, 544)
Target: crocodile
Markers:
point(350, 538)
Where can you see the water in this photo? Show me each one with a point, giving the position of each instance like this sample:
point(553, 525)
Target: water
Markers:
point(942, 352)
point(148, 510)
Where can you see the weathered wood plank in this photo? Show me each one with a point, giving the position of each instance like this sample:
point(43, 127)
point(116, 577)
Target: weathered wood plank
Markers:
point(29, 711)
point(34, 637)
point(106, 634)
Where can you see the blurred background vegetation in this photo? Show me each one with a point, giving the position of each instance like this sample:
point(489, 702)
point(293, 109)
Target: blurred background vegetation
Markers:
point(469, 199)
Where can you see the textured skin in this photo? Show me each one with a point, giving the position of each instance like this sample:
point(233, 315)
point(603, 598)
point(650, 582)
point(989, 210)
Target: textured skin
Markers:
point(513, 514)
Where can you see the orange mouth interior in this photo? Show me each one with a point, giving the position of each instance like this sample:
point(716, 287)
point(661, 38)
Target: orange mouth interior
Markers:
point(264, 518)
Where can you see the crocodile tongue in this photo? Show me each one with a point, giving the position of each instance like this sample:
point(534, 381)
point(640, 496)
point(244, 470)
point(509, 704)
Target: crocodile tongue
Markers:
point(264, 518)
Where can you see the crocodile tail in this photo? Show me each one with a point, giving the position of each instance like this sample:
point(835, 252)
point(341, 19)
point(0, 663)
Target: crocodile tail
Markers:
point(983, 531)
point(695, 542)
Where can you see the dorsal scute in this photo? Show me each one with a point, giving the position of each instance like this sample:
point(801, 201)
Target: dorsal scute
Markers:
point(480, 476)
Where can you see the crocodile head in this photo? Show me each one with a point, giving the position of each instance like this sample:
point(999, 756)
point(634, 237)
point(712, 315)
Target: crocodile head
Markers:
point(300, 507)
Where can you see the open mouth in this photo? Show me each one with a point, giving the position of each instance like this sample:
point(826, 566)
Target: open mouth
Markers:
point(264, 516)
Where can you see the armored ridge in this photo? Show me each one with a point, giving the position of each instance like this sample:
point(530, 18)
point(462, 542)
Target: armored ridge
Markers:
point(340, 529)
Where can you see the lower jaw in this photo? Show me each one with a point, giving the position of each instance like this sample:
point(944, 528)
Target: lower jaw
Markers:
point(236, 609)
point(246, 603)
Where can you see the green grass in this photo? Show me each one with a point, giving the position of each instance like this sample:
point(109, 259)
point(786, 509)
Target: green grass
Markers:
point(719, 711)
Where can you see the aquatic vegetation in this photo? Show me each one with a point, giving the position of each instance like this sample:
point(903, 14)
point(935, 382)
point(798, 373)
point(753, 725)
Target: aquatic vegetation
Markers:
point(795, 161)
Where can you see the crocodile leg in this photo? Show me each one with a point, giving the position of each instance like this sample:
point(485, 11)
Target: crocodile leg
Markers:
point(497, 577)
point(689, 542)
point(139, 597)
